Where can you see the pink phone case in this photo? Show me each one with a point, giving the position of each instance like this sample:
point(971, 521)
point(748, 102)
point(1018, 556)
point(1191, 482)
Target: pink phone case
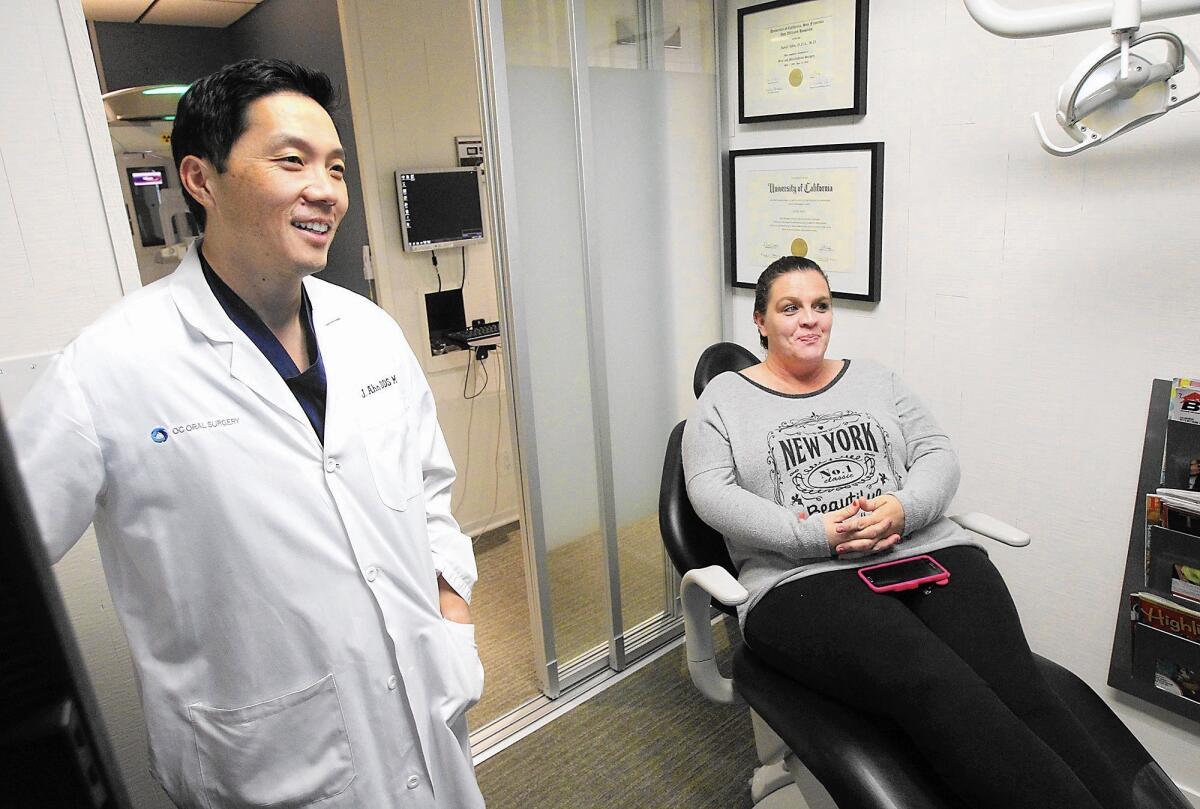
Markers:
point(941, 577)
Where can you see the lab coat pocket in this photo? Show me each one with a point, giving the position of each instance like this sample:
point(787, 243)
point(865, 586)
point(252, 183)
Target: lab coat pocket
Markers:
point(394, 462)
point(287, 752)
point(465, 685)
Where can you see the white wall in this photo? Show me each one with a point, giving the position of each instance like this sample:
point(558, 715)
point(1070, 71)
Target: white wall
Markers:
point(63, 249)
point(1029, 300)
point(55, 240)
point(414, 87)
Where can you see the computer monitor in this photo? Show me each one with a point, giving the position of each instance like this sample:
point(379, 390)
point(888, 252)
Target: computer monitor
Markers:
point(54, 751)
point(440, 208)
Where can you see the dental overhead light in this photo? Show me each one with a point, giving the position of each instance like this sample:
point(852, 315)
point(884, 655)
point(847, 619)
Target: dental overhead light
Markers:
point(155, 102)
point(1117, 87)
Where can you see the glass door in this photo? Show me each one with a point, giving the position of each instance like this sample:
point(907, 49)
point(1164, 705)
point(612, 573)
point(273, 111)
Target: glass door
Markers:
point(654, 233)
point(601, 130)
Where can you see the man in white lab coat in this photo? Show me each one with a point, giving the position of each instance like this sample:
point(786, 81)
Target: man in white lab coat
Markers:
point(270, 488)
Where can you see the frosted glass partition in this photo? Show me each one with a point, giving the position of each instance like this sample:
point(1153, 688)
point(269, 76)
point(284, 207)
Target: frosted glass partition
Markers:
point(553, 319)
point(605, 143)
point(655, 245)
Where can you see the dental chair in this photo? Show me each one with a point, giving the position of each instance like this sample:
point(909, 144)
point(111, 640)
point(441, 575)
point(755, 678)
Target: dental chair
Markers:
point(814, 752)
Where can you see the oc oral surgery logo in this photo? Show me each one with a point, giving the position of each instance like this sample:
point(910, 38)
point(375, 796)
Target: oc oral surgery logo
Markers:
point(160, 434)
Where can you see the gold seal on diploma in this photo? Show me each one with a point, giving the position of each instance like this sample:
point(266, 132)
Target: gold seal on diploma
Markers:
point(799, 248)
point(796, 77)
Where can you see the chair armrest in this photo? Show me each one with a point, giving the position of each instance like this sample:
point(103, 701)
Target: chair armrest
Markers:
point(700, 586)
point(992, 528)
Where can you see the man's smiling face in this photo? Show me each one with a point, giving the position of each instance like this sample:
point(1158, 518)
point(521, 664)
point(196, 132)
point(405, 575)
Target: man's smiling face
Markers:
point(282, 193)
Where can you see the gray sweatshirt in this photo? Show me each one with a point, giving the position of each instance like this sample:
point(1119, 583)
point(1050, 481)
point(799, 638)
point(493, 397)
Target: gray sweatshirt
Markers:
point(763, 468)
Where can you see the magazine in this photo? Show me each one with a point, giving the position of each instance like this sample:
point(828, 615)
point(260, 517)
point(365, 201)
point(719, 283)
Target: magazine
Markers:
point(1185, 582)
point(1181, 455)
point(1176, 509)
point(1185, 401)
point(1183, 499)
point(1182, 681)
point(1166, 509)
point(1165, 615)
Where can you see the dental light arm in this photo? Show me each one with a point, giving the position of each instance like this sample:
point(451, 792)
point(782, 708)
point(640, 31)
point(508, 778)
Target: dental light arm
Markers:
point(1115, 88)
point(1067, 18)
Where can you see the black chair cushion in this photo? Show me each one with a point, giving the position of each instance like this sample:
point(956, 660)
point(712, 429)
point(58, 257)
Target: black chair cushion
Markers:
point(863, 762)
point(869, 763)
point(1150, 787)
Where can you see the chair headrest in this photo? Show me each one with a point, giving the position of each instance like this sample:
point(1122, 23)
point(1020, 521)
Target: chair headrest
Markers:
point(717, 359)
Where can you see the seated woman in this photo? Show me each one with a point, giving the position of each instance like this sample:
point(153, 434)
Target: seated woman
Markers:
point(813, 467)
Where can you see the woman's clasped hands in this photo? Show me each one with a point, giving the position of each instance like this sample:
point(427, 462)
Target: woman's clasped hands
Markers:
point(865, 525)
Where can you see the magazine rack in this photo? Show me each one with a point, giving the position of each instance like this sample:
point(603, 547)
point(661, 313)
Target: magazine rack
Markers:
point(1137, 648)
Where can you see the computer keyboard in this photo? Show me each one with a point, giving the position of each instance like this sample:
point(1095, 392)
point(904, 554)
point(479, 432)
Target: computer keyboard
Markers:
point(488, 331)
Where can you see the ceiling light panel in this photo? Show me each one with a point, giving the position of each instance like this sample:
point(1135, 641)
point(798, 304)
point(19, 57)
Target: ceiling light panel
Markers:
point(114, 10)
point(200, 13)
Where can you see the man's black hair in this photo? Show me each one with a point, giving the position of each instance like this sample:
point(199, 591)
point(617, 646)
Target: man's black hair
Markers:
point(212, 113)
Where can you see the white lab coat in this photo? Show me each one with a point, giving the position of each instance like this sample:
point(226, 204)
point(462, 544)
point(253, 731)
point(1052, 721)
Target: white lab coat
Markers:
point(279, 596)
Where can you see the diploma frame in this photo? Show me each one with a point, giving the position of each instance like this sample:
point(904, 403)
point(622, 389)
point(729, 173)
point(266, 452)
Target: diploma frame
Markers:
point(860, 281)
point(851, 91)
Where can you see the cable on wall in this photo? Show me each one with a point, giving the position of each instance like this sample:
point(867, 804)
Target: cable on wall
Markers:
point(480, 357)
point(466, 472)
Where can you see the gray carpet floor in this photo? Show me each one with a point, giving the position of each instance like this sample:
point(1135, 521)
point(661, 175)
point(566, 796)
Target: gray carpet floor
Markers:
point(651, 740)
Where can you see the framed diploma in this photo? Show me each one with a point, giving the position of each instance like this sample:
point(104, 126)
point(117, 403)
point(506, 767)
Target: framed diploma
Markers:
point(802, 59)
point(820, 202)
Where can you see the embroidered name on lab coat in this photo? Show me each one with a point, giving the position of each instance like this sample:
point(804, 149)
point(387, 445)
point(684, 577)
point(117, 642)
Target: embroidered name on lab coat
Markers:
point(375, 387)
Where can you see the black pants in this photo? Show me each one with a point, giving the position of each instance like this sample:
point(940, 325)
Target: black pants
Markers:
point(953, 669)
